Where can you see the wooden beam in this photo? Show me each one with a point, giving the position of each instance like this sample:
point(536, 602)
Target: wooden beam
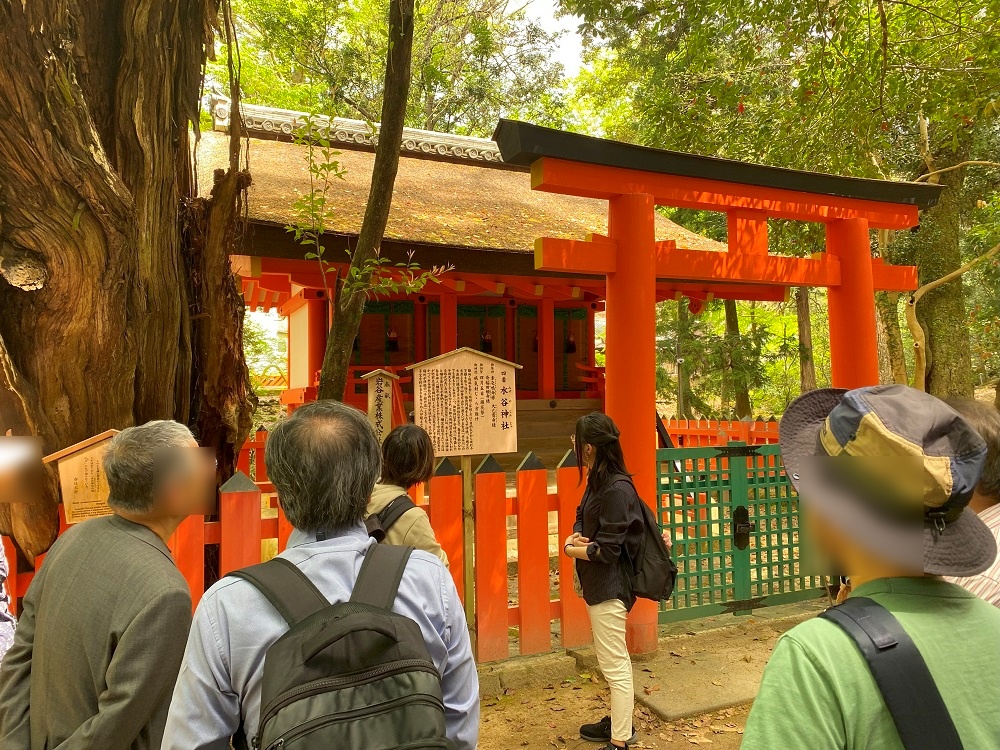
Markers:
point(596, 181)
point(303, 297)
point(893, 278)
point(747, 232)
point(590, 256)
point(697, 265)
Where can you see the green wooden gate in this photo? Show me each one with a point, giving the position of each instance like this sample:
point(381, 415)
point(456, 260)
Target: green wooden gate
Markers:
point(734, 519)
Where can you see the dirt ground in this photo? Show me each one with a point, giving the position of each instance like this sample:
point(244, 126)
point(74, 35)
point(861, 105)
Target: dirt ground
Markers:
point(545, 718)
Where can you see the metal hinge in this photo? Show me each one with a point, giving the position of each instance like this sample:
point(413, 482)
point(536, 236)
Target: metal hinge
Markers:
point(734, 451)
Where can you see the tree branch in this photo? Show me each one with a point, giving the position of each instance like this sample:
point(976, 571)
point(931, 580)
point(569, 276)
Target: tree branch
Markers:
point(973, 163)
point(917, 331)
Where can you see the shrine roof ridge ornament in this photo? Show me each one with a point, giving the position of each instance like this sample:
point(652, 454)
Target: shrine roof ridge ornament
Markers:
point(522, 144)
point(460, 350)
point(354, 133)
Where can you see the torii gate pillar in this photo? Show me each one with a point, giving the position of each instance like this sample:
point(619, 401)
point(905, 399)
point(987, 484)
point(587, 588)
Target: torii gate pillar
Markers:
point(853, 338)
point(631, 365)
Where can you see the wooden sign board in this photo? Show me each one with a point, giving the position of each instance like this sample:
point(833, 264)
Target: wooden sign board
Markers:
point(466, 400)
point(380, 401)
point(81, 478)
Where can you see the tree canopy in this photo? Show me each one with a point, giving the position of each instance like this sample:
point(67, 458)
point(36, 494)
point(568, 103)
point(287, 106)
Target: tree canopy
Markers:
point(473, 60)
point(887, 89)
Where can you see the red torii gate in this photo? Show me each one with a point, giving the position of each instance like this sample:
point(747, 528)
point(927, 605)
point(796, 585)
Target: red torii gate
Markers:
point(634, 180)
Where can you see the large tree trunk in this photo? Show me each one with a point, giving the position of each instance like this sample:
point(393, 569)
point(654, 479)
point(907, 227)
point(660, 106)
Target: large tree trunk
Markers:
point(807, 365)
point(891, 359)
point(350, 297)
point(95, 104)
point(935, 248)
point(736, 365)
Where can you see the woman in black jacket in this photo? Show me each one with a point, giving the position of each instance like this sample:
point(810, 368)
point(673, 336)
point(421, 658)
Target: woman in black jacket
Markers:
point(607, 535)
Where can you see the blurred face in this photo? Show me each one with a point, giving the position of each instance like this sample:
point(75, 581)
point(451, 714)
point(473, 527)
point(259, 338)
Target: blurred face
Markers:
point(190, 489)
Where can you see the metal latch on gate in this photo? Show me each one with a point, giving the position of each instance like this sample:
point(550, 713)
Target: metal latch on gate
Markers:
point(742, 527)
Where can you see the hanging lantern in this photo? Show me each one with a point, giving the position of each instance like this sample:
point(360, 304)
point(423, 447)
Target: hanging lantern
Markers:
point(486, 342)
point(391, 340)
point(570, 344)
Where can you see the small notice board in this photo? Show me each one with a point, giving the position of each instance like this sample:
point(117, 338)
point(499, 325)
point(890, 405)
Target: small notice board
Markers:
point(82, 482)
point(466, 400)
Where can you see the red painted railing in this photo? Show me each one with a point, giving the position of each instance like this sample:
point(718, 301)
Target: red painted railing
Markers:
point(239, 529)
point(694, 433)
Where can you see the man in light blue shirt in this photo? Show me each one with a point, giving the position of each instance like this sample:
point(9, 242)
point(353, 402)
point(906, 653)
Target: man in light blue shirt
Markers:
point(324, 461)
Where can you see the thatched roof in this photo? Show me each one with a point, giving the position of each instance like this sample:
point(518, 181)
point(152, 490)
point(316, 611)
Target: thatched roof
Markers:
point(455, 204)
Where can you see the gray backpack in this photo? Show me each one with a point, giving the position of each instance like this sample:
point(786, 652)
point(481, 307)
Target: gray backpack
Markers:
point(351, 674)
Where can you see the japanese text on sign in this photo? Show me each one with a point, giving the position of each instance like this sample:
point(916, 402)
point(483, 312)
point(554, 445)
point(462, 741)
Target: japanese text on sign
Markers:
point(466, 402)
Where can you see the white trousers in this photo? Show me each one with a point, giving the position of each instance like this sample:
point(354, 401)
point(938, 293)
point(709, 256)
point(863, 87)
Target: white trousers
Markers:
point(607, 620)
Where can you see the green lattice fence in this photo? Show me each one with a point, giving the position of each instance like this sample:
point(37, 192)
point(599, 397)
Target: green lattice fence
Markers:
point(734, 519)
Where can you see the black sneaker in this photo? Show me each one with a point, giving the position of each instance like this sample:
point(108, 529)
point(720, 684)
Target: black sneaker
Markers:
point(601, 731)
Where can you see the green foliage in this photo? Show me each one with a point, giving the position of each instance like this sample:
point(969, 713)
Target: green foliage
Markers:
point(870, 88)
point(374, 276)
point(765, 356)
point(473, 61)
point(266, 353)
point(831, 86)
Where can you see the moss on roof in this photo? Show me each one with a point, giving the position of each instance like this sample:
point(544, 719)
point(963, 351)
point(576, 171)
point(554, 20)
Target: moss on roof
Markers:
point(441, 202)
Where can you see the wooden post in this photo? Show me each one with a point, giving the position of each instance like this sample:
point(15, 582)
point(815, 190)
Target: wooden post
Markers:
point(631, 365)
point(188, 548)
point(13, 590)
point(239, 521)
point(853, 341)
point(492, 640)
point(575, 622)
point(469, 537)
point(446, 519)
point(533, 556)
point(546, 349)
point(284, 529)
point(448, 321)
point(419, 331)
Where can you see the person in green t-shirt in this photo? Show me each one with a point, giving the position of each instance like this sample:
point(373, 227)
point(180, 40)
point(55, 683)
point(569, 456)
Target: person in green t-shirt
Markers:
point(885, 475)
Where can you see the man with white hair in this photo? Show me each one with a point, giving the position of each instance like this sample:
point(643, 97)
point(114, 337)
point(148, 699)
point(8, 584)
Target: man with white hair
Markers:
point(104, 621)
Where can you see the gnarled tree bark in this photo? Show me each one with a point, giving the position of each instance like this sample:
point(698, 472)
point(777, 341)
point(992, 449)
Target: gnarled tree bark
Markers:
point(96, 102)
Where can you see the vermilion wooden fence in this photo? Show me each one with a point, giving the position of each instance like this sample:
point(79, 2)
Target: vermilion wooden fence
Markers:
point(239, 528)
point(695, 433)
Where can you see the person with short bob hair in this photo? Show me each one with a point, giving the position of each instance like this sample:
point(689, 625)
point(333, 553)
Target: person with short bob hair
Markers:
point(324, 461)
point(407, 460)
point(103, 624)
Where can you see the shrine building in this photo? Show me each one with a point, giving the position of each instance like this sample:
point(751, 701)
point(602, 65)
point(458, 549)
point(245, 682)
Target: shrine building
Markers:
point(456, 203)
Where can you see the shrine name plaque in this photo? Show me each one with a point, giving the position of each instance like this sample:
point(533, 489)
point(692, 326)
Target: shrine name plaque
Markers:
point(82, 482)
point(380, 386)
point(466, 400)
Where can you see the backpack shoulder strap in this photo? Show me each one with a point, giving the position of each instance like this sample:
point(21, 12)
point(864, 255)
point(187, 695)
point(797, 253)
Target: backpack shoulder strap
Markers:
point(287, 588)
point(394, 511)
point(380, 575)
point(913, 700)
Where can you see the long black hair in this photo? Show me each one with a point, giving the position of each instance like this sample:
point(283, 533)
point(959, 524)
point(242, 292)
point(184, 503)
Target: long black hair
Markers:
point(600, 431)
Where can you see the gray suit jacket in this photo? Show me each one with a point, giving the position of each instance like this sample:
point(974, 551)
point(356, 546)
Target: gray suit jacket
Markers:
point(98, 644)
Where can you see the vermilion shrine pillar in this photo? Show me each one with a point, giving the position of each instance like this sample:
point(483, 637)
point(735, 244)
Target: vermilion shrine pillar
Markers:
point(420, 330)
point(853, 342)
point(546, 348)
point(448, 320)
point(308, 327)
point(631, 364)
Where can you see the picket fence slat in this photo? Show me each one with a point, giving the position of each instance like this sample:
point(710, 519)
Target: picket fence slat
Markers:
point(533, 557)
